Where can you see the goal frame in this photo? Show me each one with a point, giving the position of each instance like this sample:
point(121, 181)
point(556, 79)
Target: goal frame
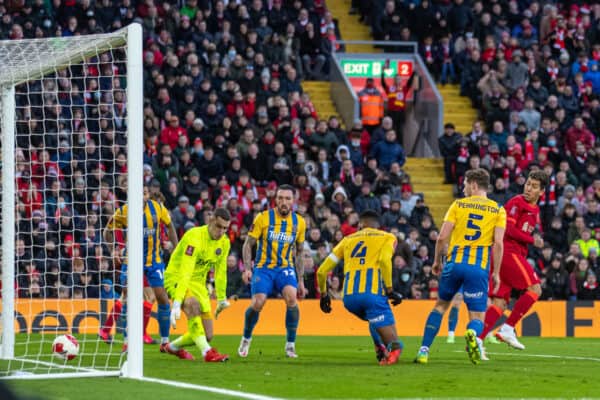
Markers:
point(133, 366)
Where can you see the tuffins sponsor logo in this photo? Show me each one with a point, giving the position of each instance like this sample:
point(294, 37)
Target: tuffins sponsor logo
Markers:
point(149, 232)
point(280, 237)
point(475, 295)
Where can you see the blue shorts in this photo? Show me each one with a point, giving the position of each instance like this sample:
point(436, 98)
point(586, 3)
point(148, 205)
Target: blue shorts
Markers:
point(474, 281)
point(370, 307)
point(269, 280)
point(154, 275)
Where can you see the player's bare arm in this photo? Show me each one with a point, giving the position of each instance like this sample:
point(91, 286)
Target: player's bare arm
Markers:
point(107, 234)
point(247, 258)
point(297, 254)
point(498, 252)
point(172, 234)
point(441, 245)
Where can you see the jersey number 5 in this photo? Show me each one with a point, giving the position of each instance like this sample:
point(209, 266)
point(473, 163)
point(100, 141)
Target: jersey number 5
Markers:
point(472, 224)
point(359, 251)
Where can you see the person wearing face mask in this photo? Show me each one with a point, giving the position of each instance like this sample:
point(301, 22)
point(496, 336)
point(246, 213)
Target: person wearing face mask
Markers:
point(371, 106)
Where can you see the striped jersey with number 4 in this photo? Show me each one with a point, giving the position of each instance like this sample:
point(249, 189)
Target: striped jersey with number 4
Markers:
point(474, 219)
point(362, 253)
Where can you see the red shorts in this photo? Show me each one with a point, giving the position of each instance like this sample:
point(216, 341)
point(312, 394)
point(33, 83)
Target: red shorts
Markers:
point(516, 273)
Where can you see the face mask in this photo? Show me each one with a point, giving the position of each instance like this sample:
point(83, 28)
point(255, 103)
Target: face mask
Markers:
point(231, 53)
point(356, 143)
point(551, 142)
point(405, 277)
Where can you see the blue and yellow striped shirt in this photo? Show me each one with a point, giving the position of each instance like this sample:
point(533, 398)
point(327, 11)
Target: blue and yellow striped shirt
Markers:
point(367, 256)
point(475, 218)
point(154, 214)
point(276, 236)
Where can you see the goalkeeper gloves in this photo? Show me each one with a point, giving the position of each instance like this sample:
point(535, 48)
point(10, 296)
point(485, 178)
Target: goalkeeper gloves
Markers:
point(175, 313)
point(223, 304)
point(394, 297)
point(325, 303)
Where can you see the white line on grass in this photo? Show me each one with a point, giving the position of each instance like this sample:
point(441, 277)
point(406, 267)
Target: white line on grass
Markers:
point(211, 389)
point(540, 356)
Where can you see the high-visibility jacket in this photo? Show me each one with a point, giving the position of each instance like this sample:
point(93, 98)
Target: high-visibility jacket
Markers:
point(371, 107)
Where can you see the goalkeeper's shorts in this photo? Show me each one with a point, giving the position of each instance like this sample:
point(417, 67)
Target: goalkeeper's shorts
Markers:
point(196, 290)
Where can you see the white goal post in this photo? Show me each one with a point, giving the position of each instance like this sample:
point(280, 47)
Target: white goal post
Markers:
point(31, 68)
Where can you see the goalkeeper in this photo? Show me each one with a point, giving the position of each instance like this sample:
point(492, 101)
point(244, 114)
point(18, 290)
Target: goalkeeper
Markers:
point(199, 250)
point(367, 256)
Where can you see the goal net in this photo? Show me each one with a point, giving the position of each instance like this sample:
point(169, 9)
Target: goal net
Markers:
point(71, 112)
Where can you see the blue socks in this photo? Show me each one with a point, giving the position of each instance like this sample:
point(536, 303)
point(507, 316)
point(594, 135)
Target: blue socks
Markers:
point(452, 319)
point(292, 316)
point(164, 322)
point(432, 326)
point(375, 335)
point(250, 320)
point(476, 325)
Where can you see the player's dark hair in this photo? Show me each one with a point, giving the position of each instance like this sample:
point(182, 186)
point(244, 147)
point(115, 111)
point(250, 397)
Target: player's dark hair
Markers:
point(286, 187)
point(540, 176)
point(222, 213)
point(480, 176)
point(370, 218)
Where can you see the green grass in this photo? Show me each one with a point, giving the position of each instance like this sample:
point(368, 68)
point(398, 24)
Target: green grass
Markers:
point(345, 368)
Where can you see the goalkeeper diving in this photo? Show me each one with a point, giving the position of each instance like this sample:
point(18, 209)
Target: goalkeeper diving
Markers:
point(367, 256)
point(199, 250)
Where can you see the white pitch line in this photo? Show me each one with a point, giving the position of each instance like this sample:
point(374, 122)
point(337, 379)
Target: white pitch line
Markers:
point(211, 389)
point(540, 356)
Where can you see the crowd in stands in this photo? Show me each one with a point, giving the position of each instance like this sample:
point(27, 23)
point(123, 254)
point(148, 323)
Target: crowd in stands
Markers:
point(226, 121)
point(531, 70)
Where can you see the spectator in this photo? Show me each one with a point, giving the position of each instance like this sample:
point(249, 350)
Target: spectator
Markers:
point(590, 289)
point(448, 144)
point(371, 105)
point(388, 151)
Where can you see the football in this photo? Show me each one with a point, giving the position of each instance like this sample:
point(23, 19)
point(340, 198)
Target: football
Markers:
point(65, 347)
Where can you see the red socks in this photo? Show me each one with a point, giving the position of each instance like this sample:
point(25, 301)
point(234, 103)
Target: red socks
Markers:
point(147, 312)
point(521, 307)
point(492, 315)
point(113, 316)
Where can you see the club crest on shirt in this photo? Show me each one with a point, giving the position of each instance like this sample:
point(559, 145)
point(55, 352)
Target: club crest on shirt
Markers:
point(218, 251)
point(189, 250)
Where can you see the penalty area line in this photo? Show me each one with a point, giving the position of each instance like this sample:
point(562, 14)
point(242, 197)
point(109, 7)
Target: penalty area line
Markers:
point(581, 358)
point(211, 389)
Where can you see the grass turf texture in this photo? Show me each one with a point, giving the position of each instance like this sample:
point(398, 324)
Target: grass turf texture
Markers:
point(345, 368)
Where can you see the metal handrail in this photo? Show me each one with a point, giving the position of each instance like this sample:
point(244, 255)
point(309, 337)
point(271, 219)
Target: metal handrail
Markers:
point(385, 43)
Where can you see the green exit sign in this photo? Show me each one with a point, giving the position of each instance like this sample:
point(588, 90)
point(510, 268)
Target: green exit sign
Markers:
point(373, 68)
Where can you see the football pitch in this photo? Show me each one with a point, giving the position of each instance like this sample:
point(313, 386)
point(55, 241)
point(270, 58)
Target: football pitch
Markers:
point(345, 368)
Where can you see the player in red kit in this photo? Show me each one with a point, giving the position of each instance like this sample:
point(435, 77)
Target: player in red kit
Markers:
point(522, 215)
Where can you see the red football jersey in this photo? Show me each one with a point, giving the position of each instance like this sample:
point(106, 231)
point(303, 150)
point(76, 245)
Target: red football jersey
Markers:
point(521, 220)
